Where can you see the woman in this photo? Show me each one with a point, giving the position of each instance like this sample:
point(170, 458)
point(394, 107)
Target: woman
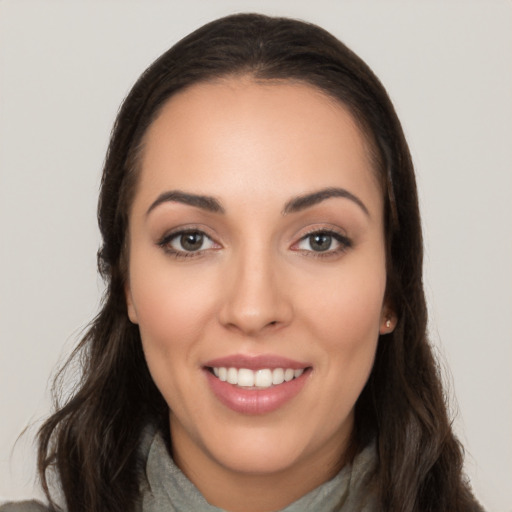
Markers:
point(262, 343)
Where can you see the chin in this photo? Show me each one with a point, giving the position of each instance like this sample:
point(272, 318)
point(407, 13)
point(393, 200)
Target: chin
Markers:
point(276, 447)
point(265, 455)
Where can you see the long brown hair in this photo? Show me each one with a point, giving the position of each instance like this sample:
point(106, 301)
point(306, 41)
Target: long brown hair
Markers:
point(90, 442)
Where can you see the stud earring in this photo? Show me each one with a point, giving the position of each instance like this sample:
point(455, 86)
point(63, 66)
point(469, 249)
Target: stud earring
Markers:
point(388, 323)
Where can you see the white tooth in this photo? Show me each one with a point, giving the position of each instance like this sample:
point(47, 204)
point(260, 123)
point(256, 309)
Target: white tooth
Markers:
point(277, 376)
point(263, 379)
point(245, 377)
point(216, 372)
point(288, 374)
point(223, 374)
point(298, 373)
point(232, 376)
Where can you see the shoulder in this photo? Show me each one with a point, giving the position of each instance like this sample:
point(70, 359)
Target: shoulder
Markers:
point(23, 506)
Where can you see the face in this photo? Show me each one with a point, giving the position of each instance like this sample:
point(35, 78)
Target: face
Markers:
point(257, 274)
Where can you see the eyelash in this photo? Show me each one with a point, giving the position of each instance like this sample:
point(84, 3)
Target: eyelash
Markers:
point(165, 243)
point(344, 243)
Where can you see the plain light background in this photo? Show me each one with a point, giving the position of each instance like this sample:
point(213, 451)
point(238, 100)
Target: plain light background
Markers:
point(65, 67)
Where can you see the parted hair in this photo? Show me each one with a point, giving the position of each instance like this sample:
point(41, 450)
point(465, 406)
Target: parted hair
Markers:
point(89, 444)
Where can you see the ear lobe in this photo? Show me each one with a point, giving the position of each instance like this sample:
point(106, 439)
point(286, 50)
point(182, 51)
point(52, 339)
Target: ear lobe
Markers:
point(388, 320)
point(132, 313)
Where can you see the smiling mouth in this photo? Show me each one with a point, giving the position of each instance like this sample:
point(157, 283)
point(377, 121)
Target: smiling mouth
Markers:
point(256, 379)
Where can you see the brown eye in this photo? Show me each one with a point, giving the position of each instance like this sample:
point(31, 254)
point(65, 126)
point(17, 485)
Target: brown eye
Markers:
point(187, 243)
point(191, 241)
point(328, 242)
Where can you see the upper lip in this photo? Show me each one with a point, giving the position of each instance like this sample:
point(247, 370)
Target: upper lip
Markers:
point(256, 362)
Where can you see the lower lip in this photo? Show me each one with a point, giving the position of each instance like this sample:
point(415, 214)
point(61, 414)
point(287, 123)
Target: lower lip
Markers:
point(256, 401)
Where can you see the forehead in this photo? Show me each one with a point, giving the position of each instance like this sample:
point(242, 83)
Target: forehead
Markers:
point(258, 134)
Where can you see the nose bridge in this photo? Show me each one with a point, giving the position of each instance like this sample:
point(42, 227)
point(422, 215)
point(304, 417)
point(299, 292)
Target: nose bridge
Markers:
point(255, 296)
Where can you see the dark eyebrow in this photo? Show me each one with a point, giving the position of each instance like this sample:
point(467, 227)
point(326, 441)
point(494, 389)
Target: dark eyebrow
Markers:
point(204, 202)
point(300, 203)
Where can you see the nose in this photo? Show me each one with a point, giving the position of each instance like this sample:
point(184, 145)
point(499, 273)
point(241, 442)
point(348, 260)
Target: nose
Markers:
point(256, 297)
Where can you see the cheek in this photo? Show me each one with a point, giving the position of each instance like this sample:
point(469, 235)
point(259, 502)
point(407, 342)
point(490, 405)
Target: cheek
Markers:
point(172, 308)
point(347, 308)
point(344, 320)
point(165, 299)
point(351, 341)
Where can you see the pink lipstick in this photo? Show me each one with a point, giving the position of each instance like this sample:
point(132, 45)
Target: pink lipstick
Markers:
point(256, 384)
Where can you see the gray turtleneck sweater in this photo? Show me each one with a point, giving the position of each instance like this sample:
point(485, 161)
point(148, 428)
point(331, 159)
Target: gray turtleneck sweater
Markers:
point(164, 488)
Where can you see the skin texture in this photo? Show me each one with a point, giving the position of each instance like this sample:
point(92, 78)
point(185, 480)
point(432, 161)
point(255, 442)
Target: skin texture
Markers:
point(256, 286)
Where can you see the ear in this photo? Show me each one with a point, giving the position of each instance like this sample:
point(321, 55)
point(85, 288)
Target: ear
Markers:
point(388, 320)
point(130, 307)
